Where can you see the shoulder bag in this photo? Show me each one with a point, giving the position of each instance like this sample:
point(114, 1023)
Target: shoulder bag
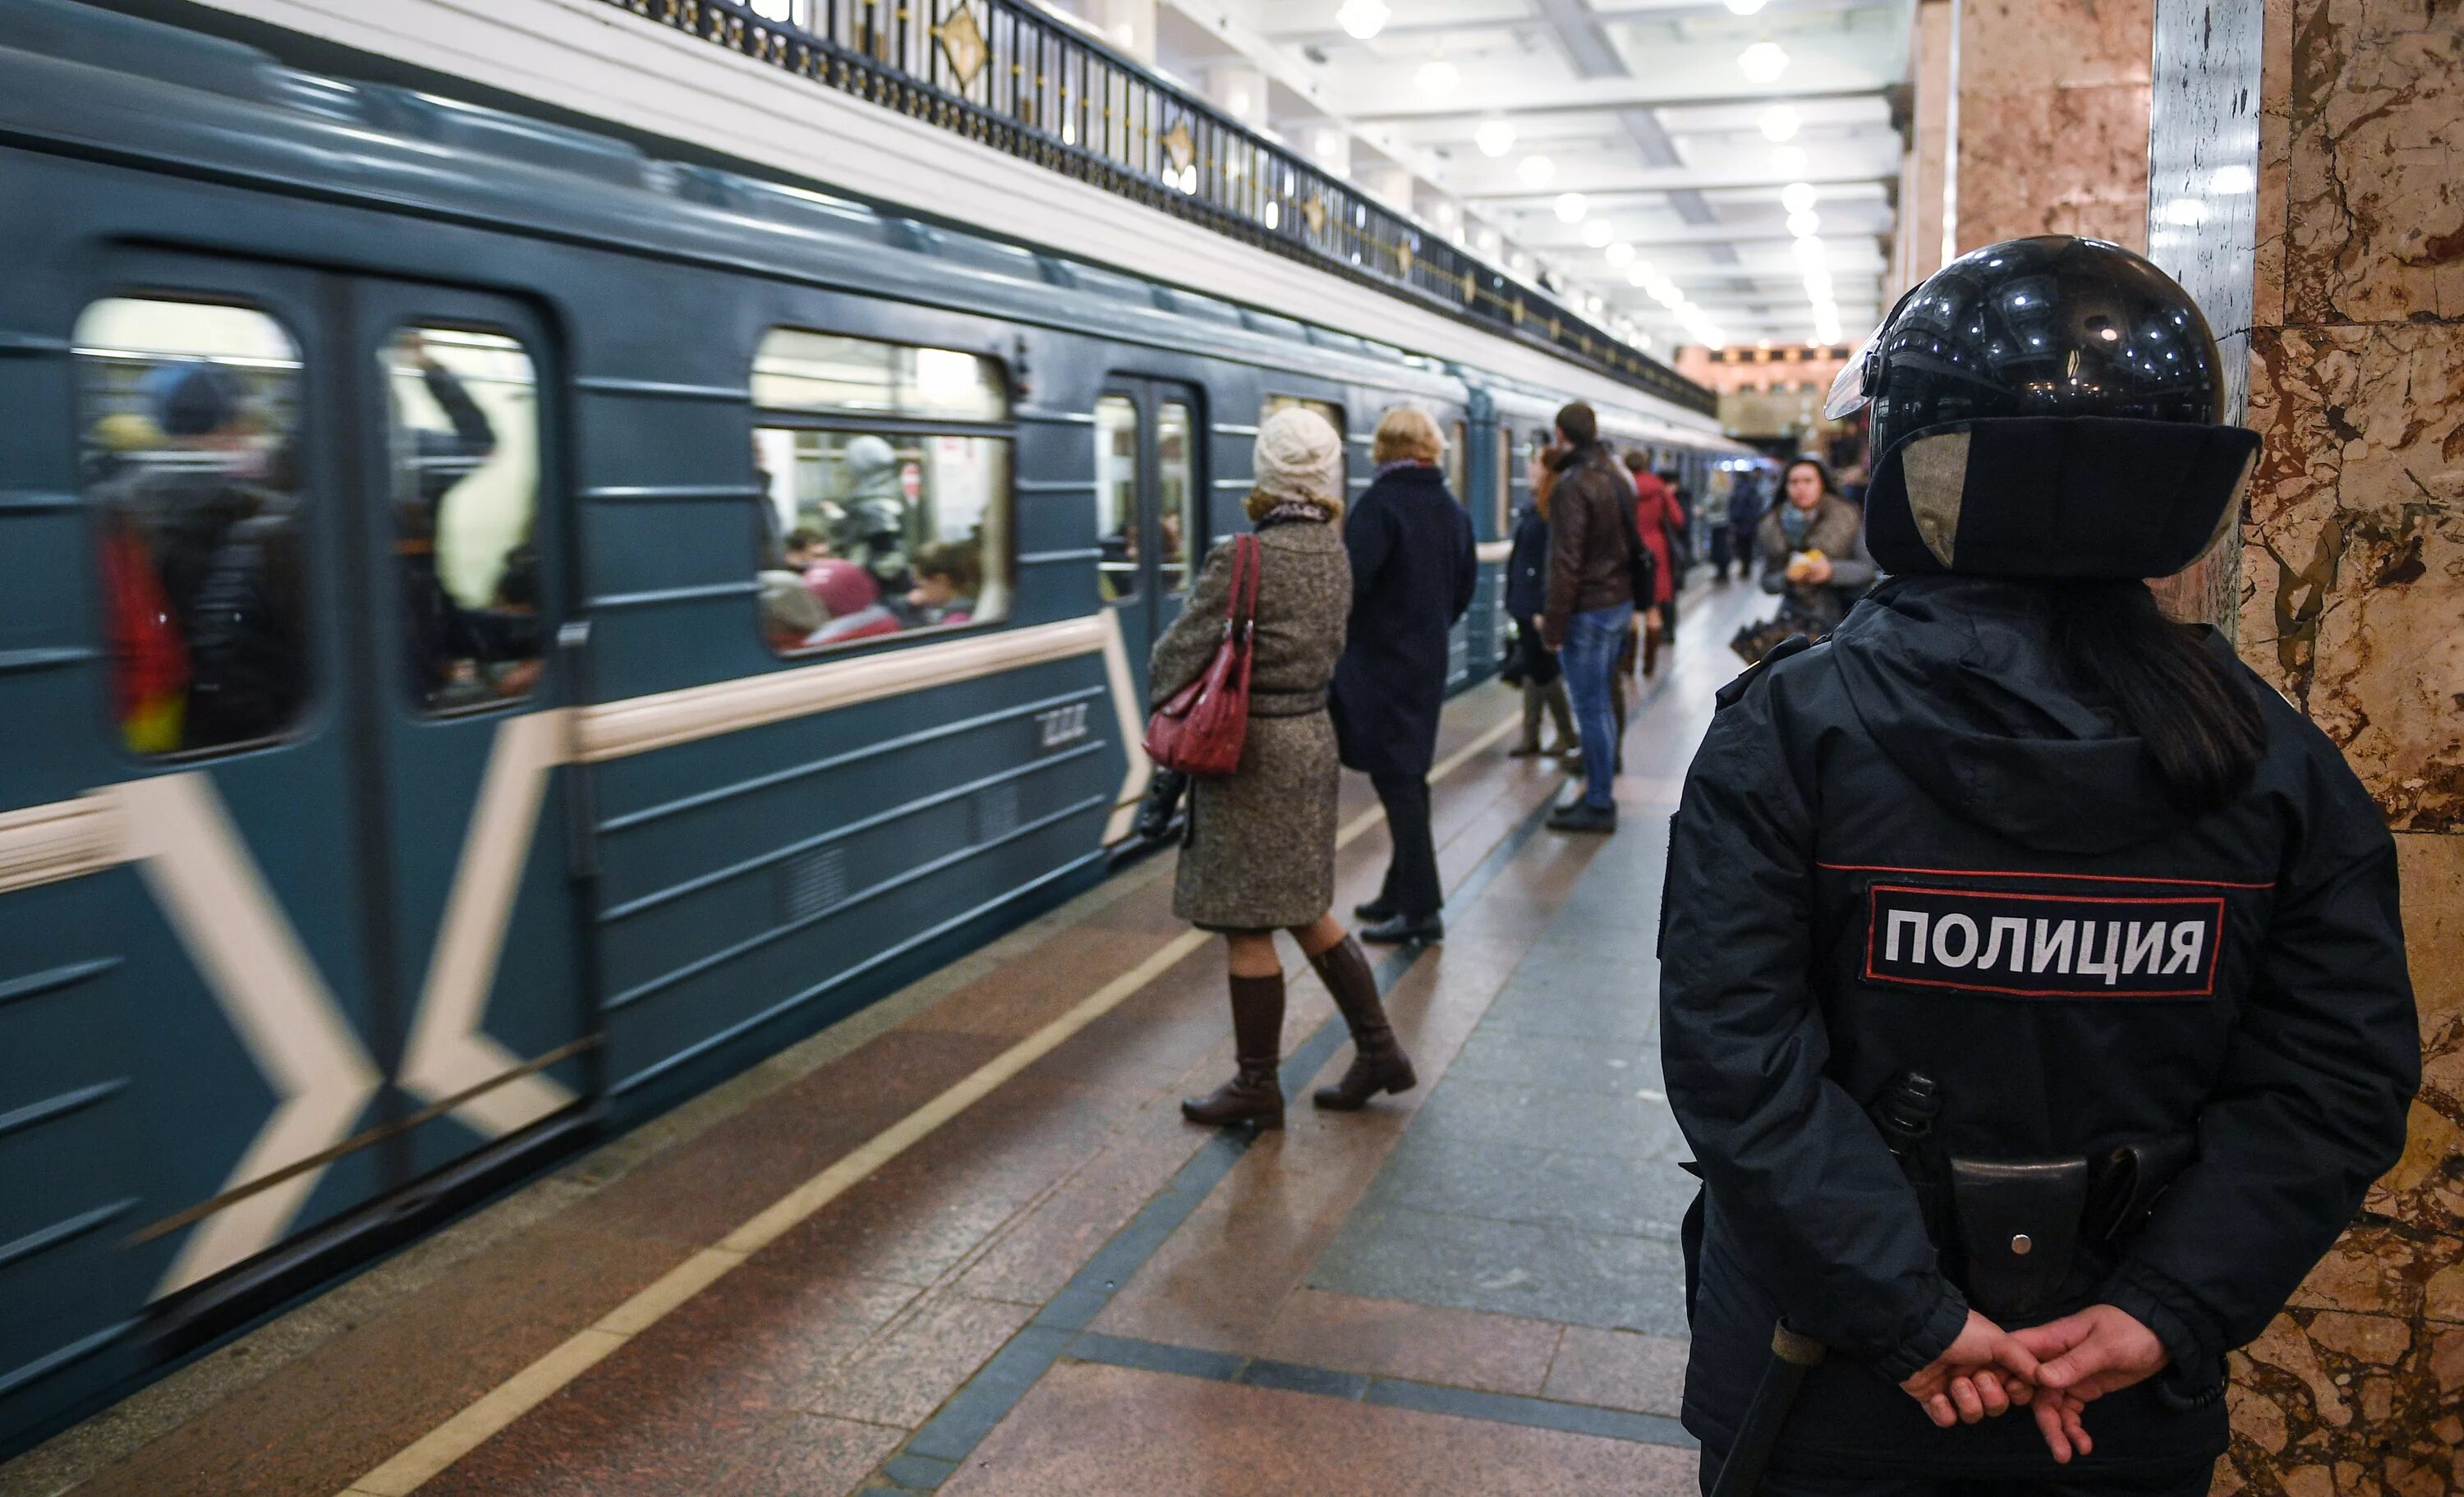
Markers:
point(1200, 728)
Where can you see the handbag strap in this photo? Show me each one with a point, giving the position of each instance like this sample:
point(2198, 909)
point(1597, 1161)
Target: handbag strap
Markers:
point(1241, 609)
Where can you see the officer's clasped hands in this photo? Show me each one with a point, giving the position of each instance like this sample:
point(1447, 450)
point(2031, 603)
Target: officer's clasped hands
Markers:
point(2056, 1369)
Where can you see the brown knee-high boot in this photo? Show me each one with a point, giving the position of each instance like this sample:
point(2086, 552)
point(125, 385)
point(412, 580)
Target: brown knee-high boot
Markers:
point(1255, 1093)
point(1378, 1063)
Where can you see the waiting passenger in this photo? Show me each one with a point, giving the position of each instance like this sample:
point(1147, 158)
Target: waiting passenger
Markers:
point(1413, 572)
point(1656, 514)
point(947, 576)
point(1527, 593)
point(1813, 548)
point(790, 613)
point(1261, 849)
point(1590, 611)
point(872, 526)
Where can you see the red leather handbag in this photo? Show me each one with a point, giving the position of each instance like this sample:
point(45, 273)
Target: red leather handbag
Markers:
point(1199, 729)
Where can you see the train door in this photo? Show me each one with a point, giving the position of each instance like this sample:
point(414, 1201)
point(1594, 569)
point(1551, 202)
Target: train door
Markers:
point(463, 545)
point(338, 852)
point(1150, 505)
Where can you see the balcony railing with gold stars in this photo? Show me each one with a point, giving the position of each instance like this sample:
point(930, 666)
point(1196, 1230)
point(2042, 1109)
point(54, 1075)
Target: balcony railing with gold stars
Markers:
point(1014, 79)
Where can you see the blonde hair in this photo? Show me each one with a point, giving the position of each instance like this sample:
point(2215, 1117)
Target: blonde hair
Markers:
point(1406, 432)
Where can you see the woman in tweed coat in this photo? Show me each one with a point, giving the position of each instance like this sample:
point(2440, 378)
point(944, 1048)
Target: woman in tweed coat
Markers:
point(1260, 851)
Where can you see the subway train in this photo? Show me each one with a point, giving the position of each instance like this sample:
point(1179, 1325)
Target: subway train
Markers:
point(499, 631)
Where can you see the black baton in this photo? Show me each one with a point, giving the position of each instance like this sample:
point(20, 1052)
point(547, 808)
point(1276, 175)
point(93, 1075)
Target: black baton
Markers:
point(1792, 1357)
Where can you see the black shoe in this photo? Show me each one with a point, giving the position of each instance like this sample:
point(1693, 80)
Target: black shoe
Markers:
point(1580, 816)
point(1396, 929)
point(1374, 911)
point(1531, 750)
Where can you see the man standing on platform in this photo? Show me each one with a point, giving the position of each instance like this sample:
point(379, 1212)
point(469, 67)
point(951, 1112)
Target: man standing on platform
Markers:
point(1413, 569)
point(1591, 603)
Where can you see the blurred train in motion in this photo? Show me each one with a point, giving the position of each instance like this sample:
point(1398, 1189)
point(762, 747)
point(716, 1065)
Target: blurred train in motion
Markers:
point(498, 631)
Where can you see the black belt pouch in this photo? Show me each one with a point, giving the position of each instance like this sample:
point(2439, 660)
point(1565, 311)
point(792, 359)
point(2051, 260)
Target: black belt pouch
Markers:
point(2020, 1222)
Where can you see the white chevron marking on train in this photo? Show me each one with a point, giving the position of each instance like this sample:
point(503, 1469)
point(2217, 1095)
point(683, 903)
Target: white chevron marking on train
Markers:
point(448, 1053)
point(217, 901)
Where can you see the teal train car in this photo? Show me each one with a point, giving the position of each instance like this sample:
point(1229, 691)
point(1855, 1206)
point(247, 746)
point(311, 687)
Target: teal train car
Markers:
point(499, 631)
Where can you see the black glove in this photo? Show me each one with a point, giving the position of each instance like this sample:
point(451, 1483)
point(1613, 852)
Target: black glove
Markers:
point(1164, 789)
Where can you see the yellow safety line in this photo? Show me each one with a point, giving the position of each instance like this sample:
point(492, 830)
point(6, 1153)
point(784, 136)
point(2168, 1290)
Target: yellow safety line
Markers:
point(418, 1462)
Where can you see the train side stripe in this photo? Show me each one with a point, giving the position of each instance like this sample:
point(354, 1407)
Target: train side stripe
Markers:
point(216, 899)
point(448, 1053)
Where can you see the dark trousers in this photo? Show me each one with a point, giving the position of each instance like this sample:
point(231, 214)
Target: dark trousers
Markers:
point(1412, 889)
point(1724, 549)
point(2183, 1483)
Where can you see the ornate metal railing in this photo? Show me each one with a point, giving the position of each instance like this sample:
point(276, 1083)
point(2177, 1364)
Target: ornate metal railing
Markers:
point(1017, 79)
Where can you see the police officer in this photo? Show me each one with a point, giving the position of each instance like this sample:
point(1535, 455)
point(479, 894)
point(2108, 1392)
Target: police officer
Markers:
point(2034, 992)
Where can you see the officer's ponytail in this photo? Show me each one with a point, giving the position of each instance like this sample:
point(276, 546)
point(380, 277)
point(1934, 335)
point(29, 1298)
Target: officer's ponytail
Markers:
point(2197, 718)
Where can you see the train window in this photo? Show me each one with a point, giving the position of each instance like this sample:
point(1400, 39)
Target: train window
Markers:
point(1332, 413)
point(189, 413)
point(465, 443)
point(828, 372)
point(1178, 506)
point(1456, 465)
point(891, 498)
point(1116, 497)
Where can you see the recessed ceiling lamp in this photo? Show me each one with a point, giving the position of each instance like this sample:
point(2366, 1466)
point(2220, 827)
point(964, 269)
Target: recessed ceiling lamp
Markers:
point(1639, 275)
point(1597, 234)
point(1745, 7)
point(1788, 160)
point(1798, 197)
point(1805, 225)
point(1620, 253)
point(1763, 63)
point(1494, 137)
point(1437, 77)
point(1810, 249)
point(1536, 170)
point(1571, 207)
point(1779, 124)
point(1362, 19)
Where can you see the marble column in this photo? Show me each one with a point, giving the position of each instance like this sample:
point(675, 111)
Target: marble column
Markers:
point(2050, 134)
point(1924, 185)
point(2306, 186)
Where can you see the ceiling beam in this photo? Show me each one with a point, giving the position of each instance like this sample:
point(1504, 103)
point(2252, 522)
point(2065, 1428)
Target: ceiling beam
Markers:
point(1606, 96)
point(1661, 183)
point(1621, 12)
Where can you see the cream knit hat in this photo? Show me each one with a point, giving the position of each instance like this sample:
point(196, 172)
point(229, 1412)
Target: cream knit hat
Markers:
point(1300, 457)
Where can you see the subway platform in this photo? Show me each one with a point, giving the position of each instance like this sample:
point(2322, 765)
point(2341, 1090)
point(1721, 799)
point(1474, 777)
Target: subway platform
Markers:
point(964, 1243)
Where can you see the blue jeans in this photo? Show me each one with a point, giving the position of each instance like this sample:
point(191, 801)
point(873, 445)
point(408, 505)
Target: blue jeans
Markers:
point(1589, 656)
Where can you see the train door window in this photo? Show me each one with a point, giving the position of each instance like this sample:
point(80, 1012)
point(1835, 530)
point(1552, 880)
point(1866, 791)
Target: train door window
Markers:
point(888, 470)
point(190, 419)
point(1458, 465)
point(464, 448)
point(1177, 509)
point(1116, 497)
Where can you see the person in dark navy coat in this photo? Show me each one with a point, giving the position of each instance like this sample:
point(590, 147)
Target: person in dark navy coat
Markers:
point(2032, 988)
point(1413, 569)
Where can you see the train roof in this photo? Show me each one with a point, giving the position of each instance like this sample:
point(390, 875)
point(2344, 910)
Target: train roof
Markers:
point(158, 95)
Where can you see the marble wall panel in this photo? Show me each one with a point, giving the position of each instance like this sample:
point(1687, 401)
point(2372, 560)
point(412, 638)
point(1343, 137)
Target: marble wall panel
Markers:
point(2375, 163)
point(2353, 563)
point(2052, 120)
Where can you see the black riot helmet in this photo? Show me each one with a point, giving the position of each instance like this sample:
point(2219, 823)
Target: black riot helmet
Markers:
point(2048, 408)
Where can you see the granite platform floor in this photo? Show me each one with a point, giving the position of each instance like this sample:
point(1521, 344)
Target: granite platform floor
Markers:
point(1052, 1284)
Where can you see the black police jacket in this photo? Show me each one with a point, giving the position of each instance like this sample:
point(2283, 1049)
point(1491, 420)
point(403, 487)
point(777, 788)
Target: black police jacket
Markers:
point(1914, 846)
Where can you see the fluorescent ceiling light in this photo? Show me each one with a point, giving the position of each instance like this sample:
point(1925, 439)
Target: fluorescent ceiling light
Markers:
point(1763, 63)
point(1804, 225)
point(1779, 124)
point(1362, 19)
point(1536, 170)
point(1798, 197)
point(1597, 234)
point(1745, 7)
point(1494, 137)
point(1571, 207)
point(1789, 161)
point(1620, 253)
point(1438, 77)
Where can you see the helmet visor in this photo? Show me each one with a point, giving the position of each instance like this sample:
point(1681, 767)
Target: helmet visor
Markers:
point(1854, 386)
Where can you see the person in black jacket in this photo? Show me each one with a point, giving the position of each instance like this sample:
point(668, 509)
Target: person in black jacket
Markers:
point(1412, 568)
point(1526, 594)
point(2034, 990)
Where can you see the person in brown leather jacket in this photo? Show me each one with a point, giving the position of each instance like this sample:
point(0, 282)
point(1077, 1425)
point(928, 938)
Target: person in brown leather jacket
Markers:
point(1591, 603)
